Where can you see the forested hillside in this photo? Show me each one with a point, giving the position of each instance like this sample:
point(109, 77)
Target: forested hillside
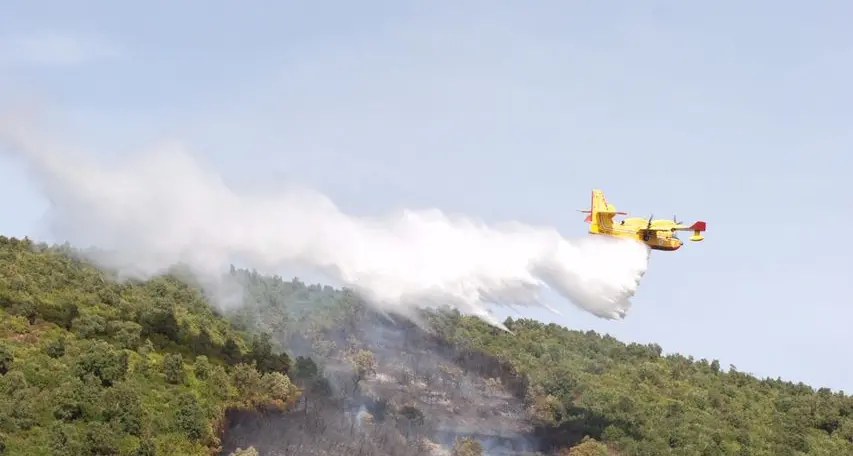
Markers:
point(572, 385)
point(91, 366)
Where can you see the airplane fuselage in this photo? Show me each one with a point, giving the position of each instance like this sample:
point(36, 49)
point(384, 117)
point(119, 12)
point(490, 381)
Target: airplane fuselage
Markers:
point(631, 228)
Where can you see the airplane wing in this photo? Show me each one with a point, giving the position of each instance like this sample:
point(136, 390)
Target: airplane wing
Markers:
point(697, 226)
point(656, 229)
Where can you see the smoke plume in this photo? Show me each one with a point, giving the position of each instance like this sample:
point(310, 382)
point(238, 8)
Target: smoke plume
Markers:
point(162, 208)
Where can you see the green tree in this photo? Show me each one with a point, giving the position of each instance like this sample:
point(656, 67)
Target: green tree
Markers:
point(587, 447)
point(103, 361)
point(246, 380)
point(127, 334)
point(201, 367)
point(69, 400)
point(123, 406)
point(189, 416)
point(173, 368)
point(89, 325)
point(365, 365)
point(55, 348)
point(278, 387)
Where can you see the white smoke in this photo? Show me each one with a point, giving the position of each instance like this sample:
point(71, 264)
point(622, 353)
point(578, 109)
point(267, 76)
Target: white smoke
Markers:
point(163, 208)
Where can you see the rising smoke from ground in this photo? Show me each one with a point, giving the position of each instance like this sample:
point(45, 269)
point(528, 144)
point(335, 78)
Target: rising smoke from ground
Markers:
point(162, 207)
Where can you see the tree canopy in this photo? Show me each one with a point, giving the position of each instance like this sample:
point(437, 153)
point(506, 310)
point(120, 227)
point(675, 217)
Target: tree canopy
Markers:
point(634, 399)
point(94, 366)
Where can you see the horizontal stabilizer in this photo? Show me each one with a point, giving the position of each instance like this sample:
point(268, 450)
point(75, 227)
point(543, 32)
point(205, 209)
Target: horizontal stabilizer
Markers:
point(698, 226)
point(587, 211)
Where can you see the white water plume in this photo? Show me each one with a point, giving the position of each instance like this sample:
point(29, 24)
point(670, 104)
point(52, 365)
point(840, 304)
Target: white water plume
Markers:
point(164, 208)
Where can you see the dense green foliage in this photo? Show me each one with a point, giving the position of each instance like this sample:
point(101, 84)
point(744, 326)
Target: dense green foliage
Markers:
point(93, 366)
point(642, 403)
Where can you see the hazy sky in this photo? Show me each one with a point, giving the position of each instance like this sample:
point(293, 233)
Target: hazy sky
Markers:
point(737, 113)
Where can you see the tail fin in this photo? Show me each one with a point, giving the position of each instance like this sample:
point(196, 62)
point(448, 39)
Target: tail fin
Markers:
point(599, 202)
point(598, 206)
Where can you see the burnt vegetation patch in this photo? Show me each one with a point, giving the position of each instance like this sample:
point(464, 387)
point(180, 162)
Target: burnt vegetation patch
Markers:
point(391, 388)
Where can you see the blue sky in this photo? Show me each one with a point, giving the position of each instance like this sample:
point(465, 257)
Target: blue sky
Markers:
point(737, 113)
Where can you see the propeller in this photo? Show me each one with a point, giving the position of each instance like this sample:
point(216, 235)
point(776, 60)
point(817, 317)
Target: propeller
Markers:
point(646, 234)
point(675, 228)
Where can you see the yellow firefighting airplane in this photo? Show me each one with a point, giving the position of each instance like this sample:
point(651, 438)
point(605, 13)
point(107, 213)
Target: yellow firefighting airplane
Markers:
point(659, 234)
